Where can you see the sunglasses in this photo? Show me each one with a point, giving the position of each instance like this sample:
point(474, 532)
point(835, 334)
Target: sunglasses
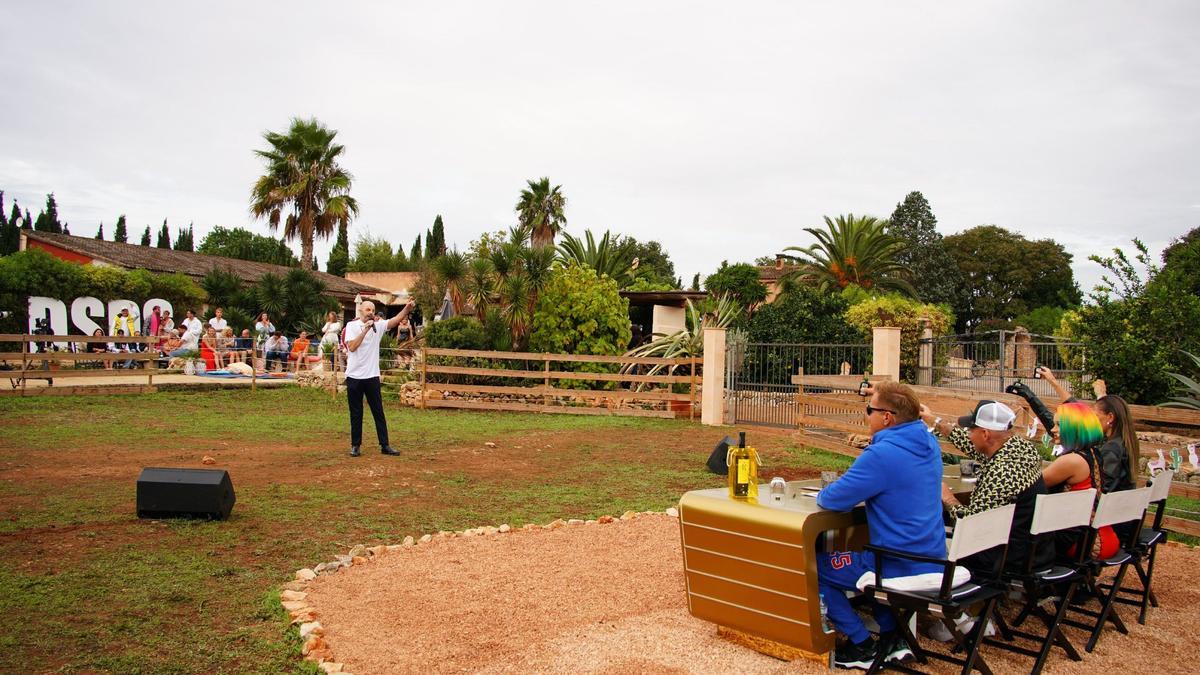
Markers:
point(875, 410)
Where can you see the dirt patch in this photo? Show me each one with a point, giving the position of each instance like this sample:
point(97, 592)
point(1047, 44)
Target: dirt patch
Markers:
point(610, 598)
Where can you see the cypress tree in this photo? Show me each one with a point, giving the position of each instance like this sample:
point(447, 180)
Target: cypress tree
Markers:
point(100, 232)
point(183, 240)
point(696, 282)
point(401, 260)
point(146, 236)
point(28, 224)
point(10, 233)
point(15, 218)
point(119, 234)
point(164, 236)
point(339, 257)
point(47, 220)
point(3, 218)
point(439, 237)
point(65, 229)
point(414, 254)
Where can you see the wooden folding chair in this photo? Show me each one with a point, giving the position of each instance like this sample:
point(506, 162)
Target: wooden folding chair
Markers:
point(1055, 584)
point(973, 534)
point(1114, 508)
point(1147, 548)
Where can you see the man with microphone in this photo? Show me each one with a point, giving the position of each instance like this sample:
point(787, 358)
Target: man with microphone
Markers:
point(362, 373)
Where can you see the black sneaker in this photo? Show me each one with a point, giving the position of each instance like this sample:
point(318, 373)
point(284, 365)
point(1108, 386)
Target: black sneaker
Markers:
point(354, 451)
point(898, 649)
point(389, 450)
point(851, 655)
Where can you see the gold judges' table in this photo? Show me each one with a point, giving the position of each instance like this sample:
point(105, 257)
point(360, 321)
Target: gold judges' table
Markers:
point(751, 565)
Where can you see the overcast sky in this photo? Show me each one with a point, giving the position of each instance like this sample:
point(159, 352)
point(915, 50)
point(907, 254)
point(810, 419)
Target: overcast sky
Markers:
point(719, 129)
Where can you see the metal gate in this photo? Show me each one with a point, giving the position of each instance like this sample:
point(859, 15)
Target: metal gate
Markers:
point(762, 379)
point(992, 360)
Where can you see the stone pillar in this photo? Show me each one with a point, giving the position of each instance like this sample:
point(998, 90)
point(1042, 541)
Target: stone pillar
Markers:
point(712, 406)
point(925, 356)
point(885, 352)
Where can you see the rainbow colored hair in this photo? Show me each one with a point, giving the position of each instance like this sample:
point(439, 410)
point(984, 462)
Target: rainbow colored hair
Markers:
point(1078, 426)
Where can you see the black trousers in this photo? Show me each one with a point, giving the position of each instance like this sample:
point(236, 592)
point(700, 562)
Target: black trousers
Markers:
point(355, 390)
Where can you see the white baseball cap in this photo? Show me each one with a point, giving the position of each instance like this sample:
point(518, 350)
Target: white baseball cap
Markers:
point(990, 415)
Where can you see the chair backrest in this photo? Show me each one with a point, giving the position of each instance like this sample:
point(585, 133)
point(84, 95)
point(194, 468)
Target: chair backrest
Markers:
point(1062, 511)
point(1160, 485)
point(1121, 507)
point(981, 532)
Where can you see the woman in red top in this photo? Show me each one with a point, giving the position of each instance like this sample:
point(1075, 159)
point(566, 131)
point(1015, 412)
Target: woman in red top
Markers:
point(1079, 431)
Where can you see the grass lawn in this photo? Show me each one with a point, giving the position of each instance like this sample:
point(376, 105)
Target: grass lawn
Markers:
point(87, 586)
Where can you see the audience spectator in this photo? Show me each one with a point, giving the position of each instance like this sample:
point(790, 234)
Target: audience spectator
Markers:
point(166, 324)
point(124, 324)
point(227, 347)
point(101, 348)
point(192, 324)
point(276, 348)
point(299, 350)
point(209, 349)
point(153, 322)
point(123, 348)
point(331, 334)
point(218, 321)
point(171, 344)
point(189, 341)
point(1078, 429)
point(262, 328)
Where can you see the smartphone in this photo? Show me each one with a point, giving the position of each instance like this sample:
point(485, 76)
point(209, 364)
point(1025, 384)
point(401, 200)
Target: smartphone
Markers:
point(1037, 371)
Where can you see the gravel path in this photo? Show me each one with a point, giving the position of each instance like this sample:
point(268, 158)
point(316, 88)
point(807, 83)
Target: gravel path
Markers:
point(609, 598)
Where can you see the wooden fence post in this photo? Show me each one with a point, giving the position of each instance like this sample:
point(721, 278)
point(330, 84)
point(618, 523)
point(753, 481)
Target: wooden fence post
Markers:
point(546, 383)
point(254, 366)
point(692, 392)
point(24, 363)
point(424, 375)
point(712, 406)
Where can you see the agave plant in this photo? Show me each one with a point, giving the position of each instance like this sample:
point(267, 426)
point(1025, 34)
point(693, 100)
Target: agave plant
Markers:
point(687, 342)
point(1191, 388)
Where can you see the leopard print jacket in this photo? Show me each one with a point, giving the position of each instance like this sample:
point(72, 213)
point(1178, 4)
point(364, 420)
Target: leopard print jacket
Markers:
point(1001, 477)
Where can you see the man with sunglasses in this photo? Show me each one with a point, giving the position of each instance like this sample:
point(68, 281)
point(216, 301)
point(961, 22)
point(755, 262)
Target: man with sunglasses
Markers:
point(899, 476)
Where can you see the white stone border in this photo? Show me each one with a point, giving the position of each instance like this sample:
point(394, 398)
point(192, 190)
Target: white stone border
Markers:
point(294, 594)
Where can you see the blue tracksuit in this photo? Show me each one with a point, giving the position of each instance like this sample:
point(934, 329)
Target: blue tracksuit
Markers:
point(899, 476)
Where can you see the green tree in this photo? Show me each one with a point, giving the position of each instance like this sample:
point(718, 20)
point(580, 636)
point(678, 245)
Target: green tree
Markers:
point(696, 282)
point(850, 251)
point(910, 316)
point(1041, 320)
point(243, 244)
point(1006, 275)
point(119, 234)
point(740, 282)
point(10, 229)
point(452, 270)
point(146, 236)
point(304, 179)
point(458, 332)
point(372, 254)
point(934, 273)
point(540, 210)
point(47, 220)
point(184, 239)
point(164, 236)
point(100, 232)
point(339, 256)
point(1181, 262)
point(1137, 329)
point(436, 241)
point(414, 253)
point(580, 312)
point(653, 263)
point(610, 256)
point(806, 315)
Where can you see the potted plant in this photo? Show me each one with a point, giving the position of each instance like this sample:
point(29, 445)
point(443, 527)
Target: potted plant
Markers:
point(189, 361)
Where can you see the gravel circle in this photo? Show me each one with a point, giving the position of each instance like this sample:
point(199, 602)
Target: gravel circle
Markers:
point(609, 598)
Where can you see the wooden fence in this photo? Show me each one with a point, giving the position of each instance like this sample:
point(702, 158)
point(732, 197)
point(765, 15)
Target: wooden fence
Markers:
point(559, 399)
point(825, 418)
point(27, 364)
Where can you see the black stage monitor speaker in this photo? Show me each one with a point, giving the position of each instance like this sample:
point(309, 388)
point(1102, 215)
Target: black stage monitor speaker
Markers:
point(718, 460)
point(184, 493)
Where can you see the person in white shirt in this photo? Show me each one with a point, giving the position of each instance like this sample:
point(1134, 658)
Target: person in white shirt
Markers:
point(330, 333)
point(263, 328)
point(276, 348)
point(362, 373)
point(191, 324)
point(218, 321)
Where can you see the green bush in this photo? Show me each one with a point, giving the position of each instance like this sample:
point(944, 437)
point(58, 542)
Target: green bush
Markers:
point(804, 315)
point(1042, 321)
point(905, 314)
point(579, 312)
point(460, 332)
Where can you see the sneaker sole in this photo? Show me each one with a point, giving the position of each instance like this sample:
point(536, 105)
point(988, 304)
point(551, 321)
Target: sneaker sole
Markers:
point(864, 665)
point(901, 655)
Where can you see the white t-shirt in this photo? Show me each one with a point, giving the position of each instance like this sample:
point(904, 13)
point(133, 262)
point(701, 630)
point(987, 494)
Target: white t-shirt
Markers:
point(363, 363)
point(219, 324)
point(193, 325)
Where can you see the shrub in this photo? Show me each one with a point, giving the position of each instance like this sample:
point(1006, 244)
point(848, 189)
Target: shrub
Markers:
point(460, 332)
point(1042, 321)
point(905, 314)
point(803, 315)
point(579, 312)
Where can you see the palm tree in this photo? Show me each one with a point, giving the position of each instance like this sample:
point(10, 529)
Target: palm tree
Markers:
point(480, 285)
point(303, 179)
point(540, 210)
point(611, 256)
point(452, 269)
point(516, 301)
point(851, 250)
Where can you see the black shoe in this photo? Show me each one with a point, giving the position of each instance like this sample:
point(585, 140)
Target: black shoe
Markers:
point(389, 450)
point(354, 451)
point(851, 655)
point(898, 648)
